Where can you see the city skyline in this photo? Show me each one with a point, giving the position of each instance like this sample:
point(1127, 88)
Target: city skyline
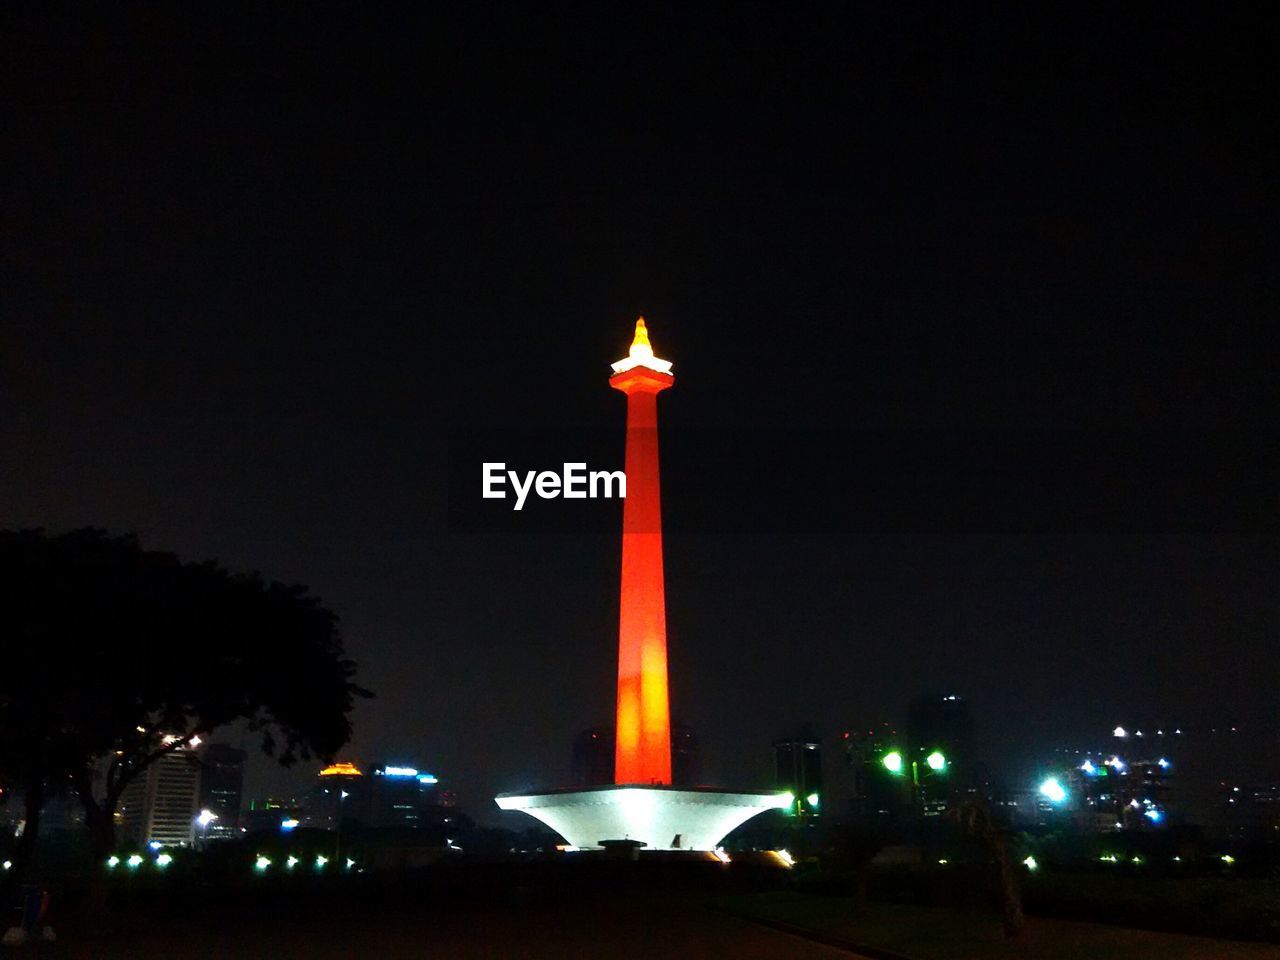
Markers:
point(977, 393)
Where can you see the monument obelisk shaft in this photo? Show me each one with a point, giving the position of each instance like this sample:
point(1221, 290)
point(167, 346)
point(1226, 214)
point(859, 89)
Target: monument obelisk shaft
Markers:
point(643, 752)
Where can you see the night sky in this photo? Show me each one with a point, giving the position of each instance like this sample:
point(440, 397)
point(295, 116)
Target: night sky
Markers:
point(968, 317)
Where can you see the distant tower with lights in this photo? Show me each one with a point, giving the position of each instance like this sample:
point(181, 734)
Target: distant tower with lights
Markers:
point(642, 753)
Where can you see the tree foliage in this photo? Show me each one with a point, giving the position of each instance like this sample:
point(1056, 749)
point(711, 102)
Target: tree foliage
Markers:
point(116, 655)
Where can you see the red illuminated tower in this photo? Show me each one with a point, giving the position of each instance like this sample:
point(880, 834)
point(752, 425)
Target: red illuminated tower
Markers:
point(641, 808)
point(643, 752)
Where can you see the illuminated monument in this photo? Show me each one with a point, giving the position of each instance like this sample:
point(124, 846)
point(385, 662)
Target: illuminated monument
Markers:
point(641, 806)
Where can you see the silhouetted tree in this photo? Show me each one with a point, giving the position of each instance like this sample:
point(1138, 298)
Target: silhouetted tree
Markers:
point(976, 820)
point(851, 847)
point(117, 656)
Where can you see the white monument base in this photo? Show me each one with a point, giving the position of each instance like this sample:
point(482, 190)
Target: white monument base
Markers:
point(662, 818)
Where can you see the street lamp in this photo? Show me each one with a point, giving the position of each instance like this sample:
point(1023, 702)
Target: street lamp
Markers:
point(894, 763)
point(206, 817)
point(1053, 790)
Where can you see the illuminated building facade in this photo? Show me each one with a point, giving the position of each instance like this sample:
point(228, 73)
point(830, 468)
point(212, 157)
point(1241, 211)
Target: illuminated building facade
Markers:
point(642, 805)
point(340, 794)
point(1111, 793)
point(160, 804)
point(401, 796)
point(380, 796)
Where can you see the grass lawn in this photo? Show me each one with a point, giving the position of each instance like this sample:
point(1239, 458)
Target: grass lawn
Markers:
point(928, 933)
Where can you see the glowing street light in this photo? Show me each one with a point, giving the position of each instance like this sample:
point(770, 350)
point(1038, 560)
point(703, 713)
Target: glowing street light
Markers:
point(261, 864)
point(321, 861)
point(134, 861)
point(892, 761)
point(1053, 790)
point(164, 860)
point(1030, 863)
point(812, 800)
point(936, 760)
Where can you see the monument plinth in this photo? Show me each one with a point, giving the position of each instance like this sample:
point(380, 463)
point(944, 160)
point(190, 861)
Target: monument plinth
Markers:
point(641, 805)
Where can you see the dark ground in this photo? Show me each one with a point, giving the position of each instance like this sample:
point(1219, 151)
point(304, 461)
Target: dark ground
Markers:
point(617, 929)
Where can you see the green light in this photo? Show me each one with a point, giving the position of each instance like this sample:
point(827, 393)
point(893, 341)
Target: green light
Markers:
point(1030, 863)
point(320, 862)
point(892, 761)
point(291, 862)
point(163, 860)
point(936, 760)
point(262, 863)
point(113, 862)
point(135, 861)
point(812, 800)
point(1227, 858)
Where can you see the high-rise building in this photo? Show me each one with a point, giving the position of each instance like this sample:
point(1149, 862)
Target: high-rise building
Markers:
point(940, 749)
point(798, 765)
point(686, 756)
point(341, 794)
point(160, 805)
point(221, 791)
point(593, 757)
point(1112, 794)
point(389, 795)
point(273, 814)
point(402, 796)
point(877, 793)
